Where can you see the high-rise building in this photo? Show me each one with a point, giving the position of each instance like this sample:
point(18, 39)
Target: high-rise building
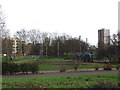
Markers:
point(103, 36)
point(17, 45)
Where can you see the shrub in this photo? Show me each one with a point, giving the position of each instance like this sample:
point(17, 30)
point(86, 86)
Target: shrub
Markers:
point(5, 68)
point(117, 67)
point(62, 69)
point(16, 68)
point(25, 67)
point(34, 67)
point(96, 68)
point(119, 84)
point(13, 67)
point(108, 67)
point(9, 67)
point(103, 84)
point(22, 67)
point(76, 67)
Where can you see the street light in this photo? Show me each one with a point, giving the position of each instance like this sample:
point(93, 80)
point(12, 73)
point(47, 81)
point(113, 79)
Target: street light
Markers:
point(58, 46)
point(46, 45)
point(80, 43)
point(46, 39)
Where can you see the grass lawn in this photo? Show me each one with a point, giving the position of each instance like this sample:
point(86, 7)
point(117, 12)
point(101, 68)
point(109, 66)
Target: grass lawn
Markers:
point(52, 60)
point(25, 58)
point(18, 58)
point(44, 60)
point(59, 82)
point(68, 67)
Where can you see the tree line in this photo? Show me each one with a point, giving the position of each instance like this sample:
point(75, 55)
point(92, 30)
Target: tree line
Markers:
point(42, 40)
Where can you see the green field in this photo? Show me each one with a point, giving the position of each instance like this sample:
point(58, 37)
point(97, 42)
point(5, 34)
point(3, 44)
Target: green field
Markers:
point(34, 59)
point(17, 58)
point(44, 60)
point(59, 82)
point(25, 58)
point(68, 67)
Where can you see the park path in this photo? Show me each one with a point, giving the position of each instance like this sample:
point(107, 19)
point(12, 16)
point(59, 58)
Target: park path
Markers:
point(22, 61)
point(57, 73)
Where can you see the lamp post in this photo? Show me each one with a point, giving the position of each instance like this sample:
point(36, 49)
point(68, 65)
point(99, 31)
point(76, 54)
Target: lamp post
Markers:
point(80, 43)
point(46, 39)
point(58, 47)
point(86, 44)
point(46, 45)
point(80, 49)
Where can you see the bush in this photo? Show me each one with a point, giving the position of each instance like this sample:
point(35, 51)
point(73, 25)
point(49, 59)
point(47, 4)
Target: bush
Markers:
point(5, 68)
point(117, 67)
point(16, 68)
point(96, 68)
point(108, 67)
point(25, 67)
point(103, 84)
point(22, 67)
point(34, 67)
point(9, 67)
point(13, 67)
point(76, 67)
point(62, 69)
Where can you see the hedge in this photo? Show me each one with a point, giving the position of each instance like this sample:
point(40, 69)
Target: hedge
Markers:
point(10, 68)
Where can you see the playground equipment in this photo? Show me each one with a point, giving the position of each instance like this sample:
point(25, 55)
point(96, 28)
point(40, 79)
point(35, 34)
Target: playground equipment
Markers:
point(83, 57)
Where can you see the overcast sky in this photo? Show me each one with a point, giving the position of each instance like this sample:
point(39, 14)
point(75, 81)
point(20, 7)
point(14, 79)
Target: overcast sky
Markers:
point(74, 17)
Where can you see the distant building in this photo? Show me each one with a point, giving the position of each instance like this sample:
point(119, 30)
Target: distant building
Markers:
point(28, 49)
point(17, 45)
point(36, 49)
point(103, 36)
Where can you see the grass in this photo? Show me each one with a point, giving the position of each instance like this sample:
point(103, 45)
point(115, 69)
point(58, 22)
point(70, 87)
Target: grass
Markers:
point(45, 60)
point(48, 67)
point(59, 82)
point(51, 60)
point(68, 67)
point(18, 58)
point(25, 58)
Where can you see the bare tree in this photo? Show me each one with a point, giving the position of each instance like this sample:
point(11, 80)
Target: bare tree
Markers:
point(22, 34)
point(4, 33)
point(44, 35)
point(7, 47)
point(34, 36)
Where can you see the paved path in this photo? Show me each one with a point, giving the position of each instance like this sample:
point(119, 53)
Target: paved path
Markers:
point(60, 74)
point(22, 61)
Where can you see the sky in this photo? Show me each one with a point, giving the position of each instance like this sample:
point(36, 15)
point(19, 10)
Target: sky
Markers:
point(73, 17)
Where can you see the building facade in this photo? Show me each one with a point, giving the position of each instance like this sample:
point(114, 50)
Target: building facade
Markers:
point(17, 46)
point(36, 49)
point(103, 36)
